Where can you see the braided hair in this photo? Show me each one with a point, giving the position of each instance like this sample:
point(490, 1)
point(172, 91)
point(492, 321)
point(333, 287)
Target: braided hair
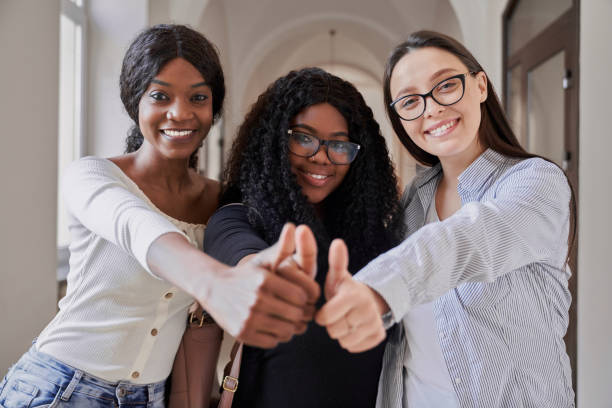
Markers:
point(149, 52)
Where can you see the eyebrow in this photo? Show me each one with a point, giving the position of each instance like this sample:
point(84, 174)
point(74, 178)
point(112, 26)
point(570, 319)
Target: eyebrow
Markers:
point(410, 89)
point(313, 130)
point(157, 81)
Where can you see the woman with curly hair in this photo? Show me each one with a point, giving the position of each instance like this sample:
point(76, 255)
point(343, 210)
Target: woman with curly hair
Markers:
point(309, 152)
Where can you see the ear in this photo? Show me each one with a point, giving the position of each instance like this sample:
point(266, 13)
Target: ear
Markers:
point(482, 81)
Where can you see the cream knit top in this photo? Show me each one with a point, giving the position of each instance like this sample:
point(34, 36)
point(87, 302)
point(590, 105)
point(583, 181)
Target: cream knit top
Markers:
point(118, 321)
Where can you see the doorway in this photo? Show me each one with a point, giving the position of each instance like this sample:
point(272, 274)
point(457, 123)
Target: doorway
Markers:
point(540, 57)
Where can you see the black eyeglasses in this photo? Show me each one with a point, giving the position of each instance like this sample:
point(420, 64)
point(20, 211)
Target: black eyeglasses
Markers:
point(445, 93)
point(338, 151)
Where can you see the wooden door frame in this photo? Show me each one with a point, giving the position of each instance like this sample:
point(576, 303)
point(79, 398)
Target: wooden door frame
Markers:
point(561, 35)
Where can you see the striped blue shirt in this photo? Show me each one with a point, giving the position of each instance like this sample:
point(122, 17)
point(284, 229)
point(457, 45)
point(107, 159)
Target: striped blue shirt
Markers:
point(496, 270)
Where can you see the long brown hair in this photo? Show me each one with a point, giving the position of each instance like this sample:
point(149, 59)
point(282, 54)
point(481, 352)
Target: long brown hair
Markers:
point(494, 131)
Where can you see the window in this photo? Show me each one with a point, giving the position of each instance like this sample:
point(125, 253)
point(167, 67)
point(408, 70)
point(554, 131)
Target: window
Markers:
point(71, 111)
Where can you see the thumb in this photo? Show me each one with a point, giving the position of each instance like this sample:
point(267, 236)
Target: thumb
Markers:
point(284, 247)
point(338, 267)
point(306, 250)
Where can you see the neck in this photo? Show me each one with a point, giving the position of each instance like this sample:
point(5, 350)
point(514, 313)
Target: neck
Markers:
point(453, 166)
point(169, 174)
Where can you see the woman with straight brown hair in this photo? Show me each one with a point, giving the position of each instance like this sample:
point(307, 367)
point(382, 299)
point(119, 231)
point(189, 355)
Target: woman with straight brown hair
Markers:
point(479, 287)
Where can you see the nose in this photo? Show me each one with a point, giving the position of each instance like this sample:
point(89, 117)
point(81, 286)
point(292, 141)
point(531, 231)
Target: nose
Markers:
point(432, 107)
point(320, 156)
point(179, 111)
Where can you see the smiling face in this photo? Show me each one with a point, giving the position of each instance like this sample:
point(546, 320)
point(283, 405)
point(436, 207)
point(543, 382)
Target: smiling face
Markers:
point(175, 112)
point(317, 176)
point(449, 132)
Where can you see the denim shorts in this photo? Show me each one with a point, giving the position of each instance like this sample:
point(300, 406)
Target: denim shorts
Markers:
point(39, 380)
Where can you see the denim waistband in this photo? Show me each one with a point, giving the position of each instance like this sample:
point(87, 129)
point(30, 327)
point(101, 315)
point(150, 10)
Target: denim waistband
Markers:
point(71, 379)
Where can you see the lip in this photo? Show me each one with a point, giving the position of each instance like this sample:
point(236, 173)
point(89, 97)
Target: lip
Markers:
point(183, 138)
point(444, 132)
point(315, 182)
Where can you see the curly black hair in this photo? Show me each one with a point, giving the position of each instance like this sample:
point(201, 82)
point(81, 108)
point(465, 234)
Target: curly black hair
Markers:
point(364, 210)
point(149, 52)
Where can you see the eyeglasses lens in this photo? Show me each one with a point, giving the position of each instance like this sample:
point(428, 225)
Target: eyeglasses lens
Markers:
point(445, 93)
point(338, 152)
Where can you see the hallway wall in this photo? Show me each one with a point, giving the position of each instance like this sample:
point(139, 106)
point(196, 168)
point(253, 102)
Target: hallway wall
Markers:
point(29, 40)
point(594, 216)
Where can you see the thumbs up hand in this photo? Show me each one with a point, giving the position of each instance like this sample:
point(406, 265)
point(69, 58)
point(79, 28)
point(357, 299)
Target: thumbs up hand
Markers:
point(268, 298)
point(352, 313)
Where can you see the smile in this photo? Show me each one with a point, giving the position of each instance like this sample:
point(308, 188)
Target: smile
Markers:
point(178, 135)
point(444, 129)
point(316, 180)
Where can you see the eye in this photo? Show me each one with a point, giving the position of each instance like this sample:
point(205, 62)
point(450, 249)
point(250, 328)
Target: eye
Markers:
point(199, 98)
point(448, 86)
point(159, 96)
point(302, 138)
point(409, 102)
point(340, 146)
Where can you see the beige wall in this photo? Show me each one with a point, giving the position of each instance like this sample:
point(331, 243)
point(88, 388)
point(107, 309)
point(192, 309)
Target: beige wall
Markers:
point(29, 40)
point(595, 221)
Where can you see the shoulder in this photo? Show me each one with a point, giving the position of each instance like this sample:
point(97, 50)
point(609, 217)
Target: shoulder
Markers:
point(237, 211)
point(206, 199)
point(534, 177)
point(534, 168)
point(211, 187)
point(423, 176)
point(92, 168)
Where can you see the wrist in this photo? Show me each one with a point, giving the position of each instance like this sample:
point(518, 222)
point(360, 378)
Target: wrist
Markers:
point(206, 275)
point(381, 304)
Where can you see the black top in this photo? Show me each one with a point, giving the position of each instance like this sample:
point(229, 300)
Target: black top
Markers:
point(311, 370)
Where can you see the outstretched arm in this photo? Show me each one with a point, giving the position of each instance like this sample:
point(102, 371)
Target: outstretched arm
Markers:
point(251, 301)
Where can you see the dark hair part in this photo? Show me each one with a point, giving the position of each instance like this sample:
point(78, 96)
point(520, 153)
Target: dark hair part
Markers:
point(494, 132)
point(149, 52)
point(364, 210)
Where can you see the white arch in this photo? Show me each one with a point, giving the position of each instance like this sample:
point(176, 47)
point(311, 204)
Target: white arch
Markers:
point(294, 29)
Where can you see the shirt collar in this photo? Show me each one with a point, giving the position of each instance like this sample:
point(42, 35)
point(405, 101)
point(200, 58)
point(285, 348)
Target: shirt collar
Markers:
point(479, 171)
point(471, 178)
point(425, 175)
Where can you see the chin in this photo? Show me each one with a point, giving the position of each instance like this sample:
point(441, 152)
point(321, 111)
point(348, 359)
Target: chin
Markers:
point(314, 199)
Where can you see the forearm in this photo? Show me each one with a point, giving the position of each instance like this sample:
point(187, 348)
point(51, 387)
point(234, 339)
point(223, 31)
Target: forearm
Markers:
point(174, 259)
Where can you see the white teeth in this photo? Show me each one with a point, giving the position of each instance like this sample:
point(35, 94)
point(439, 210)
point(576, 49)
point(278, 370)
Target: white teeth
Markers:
point(439, 130)
point(177, 133)
point(317, 176)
